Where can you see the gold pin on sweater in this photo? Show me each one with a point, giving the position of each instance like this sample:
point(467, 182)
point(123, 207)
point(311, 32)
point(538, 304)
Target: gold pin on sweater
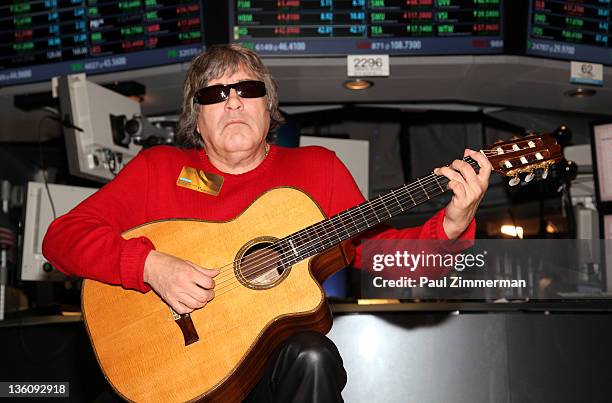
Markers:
point(200, 181)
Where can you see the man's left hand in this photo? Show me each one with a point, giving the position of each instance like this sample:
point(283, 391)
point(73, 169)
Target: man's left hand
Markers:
point(468, 190)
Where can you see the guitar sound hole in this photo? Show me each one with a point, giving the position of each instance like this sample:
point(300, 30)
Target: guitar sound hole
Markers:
point(260, 265)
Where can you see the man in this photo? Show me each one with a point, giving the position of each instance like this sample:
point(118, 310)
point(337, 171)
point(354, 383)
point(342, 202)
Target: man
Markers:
point(229, 112)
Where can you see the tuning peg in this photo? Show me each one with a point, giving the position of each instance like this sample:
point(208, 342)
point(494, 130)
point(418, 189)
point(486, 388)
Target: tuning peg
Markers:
point(545, 173)
point(514, 181)
point(515, 138)
point(529, 177)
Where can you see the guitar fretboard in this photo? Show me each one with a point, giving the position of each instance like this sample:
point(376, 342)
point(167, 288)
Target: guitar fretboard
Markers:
point(329, 232)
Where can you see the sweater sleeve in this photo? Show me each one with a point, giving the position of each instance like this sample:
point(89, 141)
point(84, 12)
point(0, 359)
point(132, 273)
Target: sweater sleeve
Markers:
point(345, 194)
point(87, 241)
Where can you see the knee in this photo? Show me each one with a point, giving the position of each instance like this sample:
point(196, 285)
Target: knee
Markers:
point(308, 369)
point(313, 350)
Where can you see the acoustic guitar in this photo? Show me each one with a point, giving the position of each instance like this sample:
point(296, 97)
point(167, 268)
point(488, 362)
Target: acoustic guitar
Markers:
point(273, 258)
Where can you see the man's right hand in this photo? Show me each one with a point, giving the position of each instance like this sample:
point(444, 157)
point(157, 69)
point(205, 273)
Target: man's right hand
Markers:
point(184, 286)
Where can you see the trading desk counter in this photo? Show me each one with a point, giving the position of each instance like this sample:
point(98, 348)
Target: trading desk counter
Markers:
point(399, 352)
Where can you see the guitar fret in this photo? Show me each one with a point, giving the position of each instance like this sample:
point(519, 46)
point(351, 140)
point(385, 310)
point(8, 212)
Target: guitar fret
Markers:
point(385, 206)
point(319, 228)
point(440, 186)
point(374, 211)
point(293, 249)
point(397, 200)
point(365, 219)
point(335, 230)
point(422, 187)
point(339, 218)
point(298, 238)
point(305, 237)
point(410, 194)
point(280, 243)
point(353, 221)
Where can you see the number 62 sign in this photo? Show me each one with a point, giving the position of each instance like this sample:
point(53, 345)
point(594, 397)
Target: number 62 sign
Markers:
point(586, 73)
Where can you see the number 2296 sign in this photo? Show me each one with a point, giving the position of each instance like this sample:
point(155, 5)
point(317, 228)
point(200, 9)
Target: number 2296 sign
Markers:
point(367, 65)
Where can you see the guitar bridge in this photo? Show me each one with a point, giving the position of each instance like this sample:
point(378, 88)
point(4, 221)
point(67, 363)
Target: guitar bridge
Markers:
point(187, 327)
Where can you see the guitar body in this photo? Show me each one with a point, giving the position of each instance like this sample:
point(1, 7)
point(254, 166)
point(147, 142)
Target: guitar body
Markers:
point(141, 348)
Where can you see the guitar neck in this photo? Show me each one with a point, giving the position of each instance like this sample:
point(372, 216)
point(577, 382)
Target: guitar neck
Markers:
point(342, 226)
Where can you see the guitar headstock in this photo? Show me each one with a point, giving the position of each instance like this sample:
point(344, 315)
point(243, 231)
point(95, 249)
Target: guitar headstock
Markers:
point(524, 155)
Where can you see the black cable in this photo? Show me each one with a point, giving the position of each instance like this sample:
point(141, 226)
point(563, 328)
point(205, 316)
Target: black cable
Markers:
point(42, 161)
point(112, 160)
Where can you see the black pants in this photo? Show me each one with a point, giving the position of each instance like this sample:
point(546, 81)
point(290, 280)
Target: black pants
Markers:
point(306, 368)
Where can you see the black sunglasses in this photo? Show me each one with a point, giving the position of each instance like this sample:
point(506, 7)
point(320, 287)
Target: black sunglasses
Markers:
point(220, 92)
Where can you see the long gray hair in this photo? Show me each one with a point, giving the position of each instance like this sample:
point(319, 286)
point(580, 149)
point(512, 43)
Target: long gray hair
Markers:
point(212, 64)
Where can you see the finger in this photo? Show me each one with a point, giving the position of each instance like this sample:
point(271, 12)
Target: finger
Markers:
point(203, 281)
point(473, 183)
point(180, 308)
point(189, 301)
point(208, 272)
point(201, 277)
point(480, 157)
point(204, 297)
point(485, 166)
point(466, 170)
point(198, 293)
point(459, 191)
point(211, 295)
point(449, 173)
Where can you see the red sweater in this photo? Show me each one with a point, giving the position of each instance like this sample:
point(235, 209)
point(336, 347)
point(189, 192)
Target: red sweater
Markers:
point(87, 241)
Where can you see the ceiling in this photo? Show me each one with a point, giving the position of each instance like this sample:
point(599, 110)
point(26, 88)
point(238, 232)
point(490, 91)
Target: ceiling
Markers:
point(415, 82)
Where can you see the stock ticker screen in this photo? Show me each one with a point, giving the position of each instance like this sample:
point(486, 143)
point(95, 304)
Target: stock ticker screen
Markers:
point(339, 27)
point(576, 30)
point(45, 38)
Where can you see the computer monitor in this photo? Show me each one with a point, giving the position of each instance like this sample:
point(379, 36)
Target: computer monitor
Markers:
point(44, 39)
point(601, 143)
point(607, 236)
point(326, 27)
point(571, 30)
point(38, 216)
point(89, 112)
point(355, 154)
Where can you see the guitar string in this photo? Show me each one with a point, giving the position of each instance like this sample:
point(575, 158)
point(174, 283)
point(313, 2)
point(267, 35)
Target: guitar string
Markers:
point(234, 283)
point(327, 225)
point(431, 184)
point(225, 286)
point(401, 192)
point(263, 260)
point(256, 265)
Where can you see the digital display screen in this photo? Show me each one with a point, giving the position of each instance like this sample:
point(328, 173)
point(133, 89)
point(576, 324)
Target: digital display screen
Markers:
point(602, 145)
point(575, 30)
point(46, 38)
point(340, 27)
